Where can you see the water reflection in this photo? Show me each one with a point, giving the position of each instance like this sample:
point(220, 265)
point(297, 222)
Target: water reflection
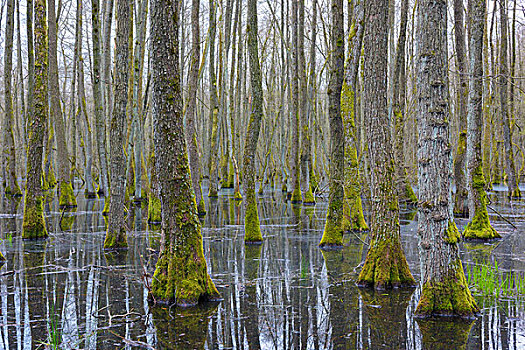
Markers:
point(284, 294)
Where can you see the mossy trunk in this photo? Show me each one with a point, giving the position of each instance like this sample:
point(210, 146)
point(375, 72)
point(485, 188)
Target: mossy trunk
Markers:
point(333, 229)
point(9, 150)
point(66, 197)
point(460, 161)
point(252, 228)
point(33, 224)
point(512, 178)
point(445, 291)
point(116, 233)
point(385, 265)
point(181, 274)
point(479, 226)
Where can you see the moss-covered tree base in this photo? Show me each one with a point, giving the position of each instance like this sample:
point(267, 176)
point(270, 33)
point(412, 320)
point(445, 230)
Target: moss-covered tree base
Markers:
point(296, 196)
point(309, 198)
point(237, 196)
point(90, 195)
point(212, 193)
point(201, 208)
point(67, 220)
point(252, 227)
point(332, 236)
point(516, 193)
point(353, 218)
point(181, 278)
point(385, 266)
point(154, 210)
point(480, 227)
point(284, 188)
point(13, 192)
point(409, 196)
point(105, 210)
point(34, 226)
point(2, 258)
point(449, 296)
point(66, 197)
point(116, 240)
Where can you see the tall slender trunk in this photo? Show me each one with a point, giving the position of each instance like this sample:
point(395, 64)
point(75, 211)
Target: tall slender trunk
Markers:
point(479, 226)
point(404, 190)
point(252, 227)
point(181, 275)
point(98, 98)
point(116, 232)
point(65, 190)
point(295, 190)
point(333, 229)
point(445, 289)
point(191, 109)
point(9, 156)
point(512, 180)
point(108, 96)
point(385, 265)
point(353, 218)
point(460, 206)
point(34, 226)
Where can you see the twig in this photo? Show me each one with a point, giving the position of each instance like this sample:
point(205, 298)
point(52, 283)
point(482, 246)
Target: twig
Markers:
point(501, 216)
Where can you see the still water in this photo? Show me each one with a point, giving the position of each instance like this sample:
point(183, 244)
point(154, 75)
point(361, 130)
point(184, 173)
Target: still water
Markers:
point(66, 292)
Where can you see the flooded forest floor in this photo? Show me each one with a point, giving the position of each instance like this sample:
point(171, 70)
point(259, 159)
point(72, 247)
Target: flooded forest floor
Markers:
point(66, 292)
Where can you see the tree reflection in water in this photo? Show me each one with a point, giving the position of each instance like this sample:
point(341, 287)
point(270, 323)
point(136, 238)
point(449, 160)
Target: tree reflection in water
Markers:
point(284, 294)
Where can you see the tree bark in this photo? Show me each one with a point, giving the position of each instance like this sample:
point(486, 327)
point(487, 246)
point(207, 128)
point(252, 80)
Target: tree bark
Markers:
point(333, 229)
point(479, 226)
point(65, 190)
point(512, 180)
point(385, 265)
point(181, 275)
point(445, 289)
point(9, 156)
point(34, 226)
point(252, 228)
point(116, 233)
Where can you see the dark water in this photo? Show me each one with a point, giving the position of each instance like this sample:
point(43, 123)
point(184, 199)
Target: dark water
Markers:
point(285, 294)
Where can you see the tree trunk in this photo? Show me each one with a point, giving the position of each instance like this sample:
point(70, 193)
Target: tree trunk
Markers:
point(181, 275)
point(333, 229)
point(460, 206)
point(353, 218)
point(385, 265)
point(445, 289)
point(513, 189)
point(479, 226)
point(65, 190)
point(295, 189)
point(116, 233)
point(404, 190)
point(252, 228)
point(191, 109)
point(9, 156)
point(34, 226)
point(98, 98)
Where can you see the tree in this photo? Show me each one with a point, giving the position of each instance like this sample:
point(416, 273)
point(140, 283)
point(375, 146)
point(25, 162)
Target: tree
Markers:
point(116, 233)
point(353, 218)
point(181, 275)
point(252, 228)
point(333, 229)
point(385, 265)
point(460, 206)
point(512, 184)
point(34, 226)
point(445, 289)
point(65, 190)
point(9, 156)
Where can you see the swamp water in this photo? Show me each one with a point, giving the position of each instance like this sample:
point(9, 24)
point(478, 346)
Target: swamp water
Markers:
point(66, 292)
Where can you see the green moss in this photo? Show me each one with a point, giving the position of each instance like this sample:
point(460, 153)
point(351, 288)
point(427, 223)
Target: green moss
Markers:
point(201, 208)
point(479, 227)
point(410, 196)
point(66, 197)
point(212, 193)
point(105, 210)
point(443, 334)
point(2, 258)
point(385, 266)
point(449, 296)
point(16, 192)
point(67, 220)
point(116, 240)
point(296, 195)
point(34, 226)
point(516, 193)
point(333, 231)
point(309, 198)
point(237, 196)
point(252, 227)
point(154, 210)
point(452, 235)
point(284, 188)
